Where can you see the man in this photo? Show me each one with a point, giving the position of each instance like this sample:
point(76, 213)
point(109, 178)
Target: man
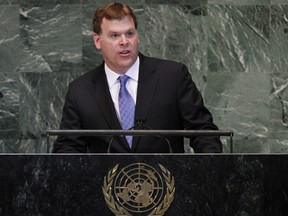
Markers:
point(161, 95)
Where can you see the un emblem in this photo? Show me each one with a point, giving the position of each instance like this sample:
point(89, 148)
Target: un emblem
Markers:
point(138, 189)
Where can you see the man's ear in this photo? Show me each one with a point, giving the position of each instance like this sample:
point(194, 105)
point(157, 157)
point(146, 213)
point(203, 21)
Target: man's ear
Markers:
point(96, 39)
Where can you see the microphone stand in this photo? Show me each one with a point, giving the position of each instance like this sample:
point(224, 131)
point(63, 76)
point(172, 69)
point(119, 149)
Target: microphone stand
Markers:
point(140, 124)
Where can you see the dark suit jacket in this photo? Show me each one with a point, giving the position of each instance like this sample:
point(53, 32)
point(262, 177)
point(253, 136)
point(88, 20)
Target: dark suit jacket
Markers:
point(167, 98)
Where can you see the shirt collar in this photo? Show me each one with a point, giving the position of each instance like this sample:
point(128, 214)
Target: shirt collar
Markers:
point(112, 76)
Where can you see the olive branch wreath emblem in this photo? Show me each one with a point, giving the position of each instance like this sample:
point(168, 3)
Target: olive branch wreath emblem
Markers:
point(120, 211)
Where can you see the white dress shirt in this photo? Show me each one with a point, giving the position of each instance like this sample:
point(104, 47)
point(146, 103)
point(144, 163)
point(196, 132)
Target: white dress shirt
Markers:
point(114, 83)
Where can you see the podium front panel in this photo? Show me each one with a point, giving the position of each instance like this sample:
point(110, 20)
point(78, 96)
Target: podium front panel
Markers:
point(57, 184)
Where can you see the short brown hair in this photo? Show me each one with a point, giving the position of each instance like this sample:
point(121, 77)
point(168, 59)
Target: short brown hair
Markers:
point(111, 11)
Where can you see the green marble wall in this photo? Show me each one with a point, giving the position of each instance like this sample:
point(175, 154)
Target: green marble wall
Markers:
point(237, 53)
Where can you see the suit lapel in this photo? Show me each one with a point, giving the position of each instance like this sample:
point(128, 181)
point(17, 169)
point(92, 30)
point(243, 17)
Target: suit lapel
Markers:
point(101, 93)
point(146, 87)
point(147, 84)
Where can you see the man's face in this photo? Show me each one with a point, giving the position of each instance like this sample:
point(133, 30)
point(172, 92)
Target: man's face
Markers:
point(118, 43)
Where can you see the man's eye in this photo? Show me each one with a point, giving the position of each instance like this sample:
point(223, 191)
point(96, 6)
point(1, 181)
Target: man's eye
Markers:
point(130, 34)
point(114, 35)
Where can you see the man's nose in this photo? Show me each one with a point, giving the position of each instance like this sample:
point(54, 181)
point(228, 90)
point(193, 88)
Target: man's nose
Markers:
point(124, 39)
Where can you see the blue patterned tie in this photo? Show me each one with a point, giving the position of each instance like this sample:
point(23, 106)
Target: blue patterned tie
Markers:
point(126, 107)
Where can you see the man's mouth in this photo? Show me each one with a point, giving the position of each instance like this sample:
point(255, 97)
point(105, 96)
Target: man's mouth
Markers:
point(124, 52)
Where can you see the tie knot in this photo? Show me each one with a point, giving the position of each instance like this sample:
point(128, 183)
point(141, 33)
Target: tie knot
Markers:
point(123, 80)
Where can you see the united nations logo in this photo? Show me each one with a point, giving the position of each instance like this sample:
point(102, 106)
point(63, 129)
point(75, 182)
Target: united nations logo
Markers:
point(138, 189)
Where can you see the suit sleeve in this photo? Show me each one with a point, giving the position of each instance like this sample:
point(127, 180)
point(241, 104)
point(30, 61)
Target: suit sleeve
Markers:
point(194, 114)
point(70, 121)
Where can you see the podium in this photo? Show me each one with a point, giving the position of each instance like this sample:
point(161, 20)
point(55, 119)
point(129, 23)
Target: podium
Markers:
point(204, 184)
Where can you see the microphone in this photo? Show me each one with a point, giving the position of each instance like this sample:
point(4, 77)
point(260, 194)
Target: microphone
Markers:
point(139, 122)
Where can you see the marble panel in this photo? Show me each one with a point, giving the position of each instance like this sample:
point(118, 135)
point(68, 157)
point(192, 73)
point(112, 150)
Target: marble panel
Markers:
point(9, 81)
point(8, 2)
point(283, 2)
point(41, 105)
point(177, 32)
point(241, 107)
point(239, 65)
point(238, 38)
point(279, 105)
point(279, 144)
point(9, 38)
point(97, 3)
point(241, 2)
point(34, 3)
point(22, 145)
point(179, 2)
point(9, 106)
point(91, 56)
point(52, 34)
point(9, 145)
point(279, 78)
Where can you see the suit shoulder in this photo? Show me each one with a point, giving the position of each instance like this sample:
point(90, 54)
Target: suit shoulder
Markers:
point(158, 62)
point(85, 78)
